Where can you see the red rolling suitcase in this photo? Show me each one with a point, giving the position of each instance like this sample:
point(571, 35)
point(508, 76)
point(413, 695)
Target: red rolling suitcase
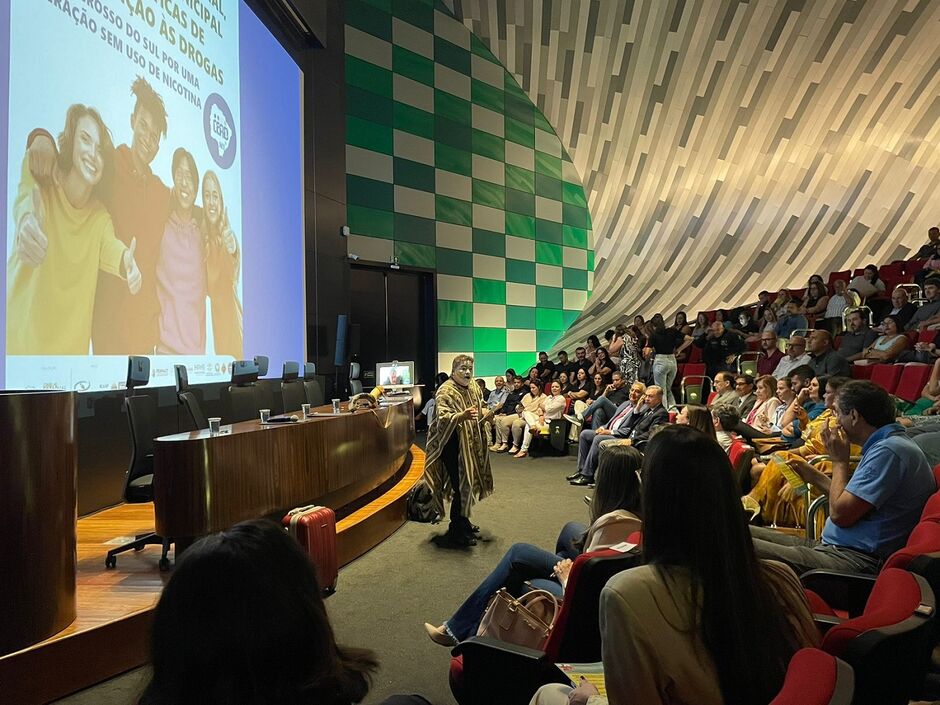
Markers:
point(315, 530)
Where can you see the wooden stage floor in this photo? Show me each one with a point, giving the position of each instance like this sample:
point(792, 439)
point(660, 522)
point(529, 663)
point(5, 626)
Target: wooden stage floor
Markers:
point(115, 607)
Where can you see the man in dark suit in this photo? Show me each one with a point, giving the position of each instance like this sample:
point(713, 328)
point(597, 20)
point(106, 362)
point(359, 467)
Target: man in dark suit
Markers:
point(630, 426)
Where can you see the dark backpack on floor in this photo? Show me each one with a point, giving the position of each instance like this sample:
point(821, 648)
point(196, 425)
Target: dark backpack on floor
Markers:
point(419, 505)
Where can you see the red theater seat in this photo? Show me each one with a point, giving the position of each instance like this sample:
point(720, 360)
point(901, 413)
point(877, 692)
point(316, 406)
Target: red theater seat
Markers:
point(912, 380)
point(816, 678)
point(886, 376)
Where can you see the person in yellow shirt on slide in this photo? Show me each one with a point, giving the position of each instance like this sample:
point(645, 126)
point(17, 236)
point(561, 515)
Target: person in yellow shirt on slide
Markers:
point(63, 236)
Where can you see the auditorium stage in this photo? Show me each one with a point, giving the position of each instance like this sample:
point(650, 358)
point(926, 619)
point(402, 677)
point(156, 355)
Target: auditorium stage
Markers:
point(115, 607)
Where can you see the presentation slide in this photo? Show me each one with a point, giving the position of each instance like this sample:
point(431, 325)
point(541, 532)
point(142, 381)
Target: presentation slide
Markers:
point(152, 196)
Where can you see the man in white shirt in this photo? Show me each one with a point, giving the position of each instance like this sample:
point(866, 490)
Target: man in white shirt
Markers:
point(796, 356)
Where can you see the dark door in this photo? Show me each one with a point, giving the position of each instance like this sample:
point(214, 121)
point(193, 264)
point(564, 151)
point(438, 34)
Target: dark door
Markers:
point(392, 317)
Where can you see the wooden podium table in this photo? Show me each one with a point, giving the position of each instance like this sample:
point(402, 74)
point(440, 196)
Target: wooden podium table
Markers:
point(205, 483)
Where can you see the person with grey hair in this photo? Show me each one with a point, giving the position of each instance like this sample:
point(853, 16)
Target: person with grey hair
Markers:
point(457, 466)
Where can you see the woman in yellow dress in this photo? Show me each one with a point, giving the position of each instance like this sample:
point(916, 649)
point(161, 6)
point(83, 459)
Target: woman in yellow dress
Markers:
point(764, 499)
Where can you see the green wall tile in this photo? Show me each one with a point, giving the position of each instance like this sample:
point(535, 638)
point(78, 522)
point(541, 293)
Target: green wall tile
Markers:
point(414, 66)
point(590, 262)
point(549, 297)
point(547, 253)
point(569, 316)
point(454, 313)
point(369, 192)
point(453, 134)
point(489, 194)
point(383, 5)
point(451, 107)
point(520, 317)
point(455, 160)
point(369, 221)
point(486, 95)
point(368, 135)
point(547, 164)
point(489, 364)
point(575, 215)
point(369, 106)
point(453, 210)
point(520, 271)
point(520, 202)
point(411, 228)
point(414, 175)
point(548, 231)
point(574, 278)
point(488, 145)
point(549, 319)
point(414, 12)
point(573, 237)
point(454, 339)
point(368, 77)
point(451, 55)
point(370, 19)
point(520, 109)
point(573, 194)
point(489, 339)
point(548, 187)
point(454, 262)
point(521, 362)
point(520, 132)
point(480, 49)
point(546, 339)
point(521, 179)
point(415, 255)
point(520, 225)
point(486, 242)
point(543, 124)
point(414, 120)
point(489, 291)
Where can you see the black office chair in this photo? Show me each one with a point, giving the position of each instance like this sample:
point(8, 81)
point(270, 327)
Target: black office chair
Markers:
point(355, 384)
point(292, 389)
point(186, 397)
point(312, 388)
point(138, 481)
point(242, 397)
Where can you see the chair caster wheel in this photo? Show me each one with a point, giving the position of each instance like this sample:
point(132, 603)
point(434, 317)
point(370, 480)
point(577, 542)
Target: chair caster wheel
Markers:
point(164, 565)
point(138, 548)
point(110, 562)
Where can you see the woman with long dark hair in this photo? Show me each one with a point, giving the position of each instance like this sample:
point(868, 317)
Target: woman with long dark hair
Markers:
point(703, 621)
point(615, 514)
point(698, 417)
point(241, 622)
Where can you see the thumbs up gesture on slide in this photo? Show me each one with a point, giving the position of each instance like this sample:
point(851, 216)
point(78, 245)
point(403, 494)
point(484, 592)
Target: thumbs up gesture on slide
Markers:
point(131, 272)
point(31, 242)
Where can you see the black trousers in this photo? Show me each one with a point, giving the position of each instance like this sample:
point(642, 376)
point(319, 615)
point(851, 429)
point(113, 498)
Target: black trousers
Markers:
point(451, 459)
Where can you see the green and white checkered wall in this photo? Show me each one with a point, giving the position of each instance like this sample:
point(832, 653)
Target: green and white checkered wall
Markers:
point(451, 167)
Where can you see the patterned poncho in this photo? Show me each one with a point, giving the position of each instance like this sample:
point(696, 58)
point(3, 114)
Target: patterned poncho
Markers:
point(476, 478)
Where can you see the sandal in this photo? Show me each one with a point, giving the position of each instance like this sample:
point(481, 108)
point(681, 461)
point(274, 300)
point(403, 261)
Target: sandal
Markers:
point(521, 454)
point(751, 507)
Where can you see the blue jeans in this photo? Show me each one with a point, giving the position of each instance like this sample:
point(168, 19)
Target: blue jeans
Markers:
point(600, 411)
point(522, 562)
point(664, 374)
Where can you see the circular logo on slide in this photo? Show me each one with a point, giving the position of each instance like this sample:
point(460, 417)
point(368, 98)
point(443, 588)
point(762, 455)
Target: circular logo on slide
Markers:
point(220, 130)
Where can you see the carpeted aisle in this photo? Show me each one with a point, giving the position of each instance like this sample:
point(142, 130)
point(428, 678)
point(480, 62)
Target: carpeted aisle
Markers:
point(384, 598)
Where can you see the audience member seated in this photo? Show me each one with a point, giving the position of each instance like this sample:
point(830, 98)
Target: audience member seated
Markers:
point(531, 403)
point(724, 388)
point(871, 512)
point(581, 392)
point(719, 348)
point(817, 299)
point(509, 412)
point(886, 347)
point(742, 324)
point(681, 323)
point(767, 324)
point(838, 302)
point(808, 400)
point(484, 392)
point(779, 305)
point(545, 369)
point(580, 359)
point(551, 407)
point(868, 283)
point(763, 412)
point(796, 357)
point(725, 418)
point(823, 359)
point(791, 320)
point(928, 314)
point(769, 480)
point(615, 514)
point(770, 355)
point(564, 383)
point(628, 427)
point(763, 305)
point(698, 417)
point(744, 388)
point(241, 622)
point(902, 310)
point(703, 621)
point(564, 365)
point(592, 344)
point(932, 246)
point(605, 406)
point(701, 325)
point(495, 400)
point(857, 338)
point(602, 365)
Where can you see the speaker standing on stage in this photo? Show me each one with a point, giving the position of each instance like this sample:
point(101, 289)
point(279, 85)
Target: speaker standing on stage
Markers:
point(458, 465)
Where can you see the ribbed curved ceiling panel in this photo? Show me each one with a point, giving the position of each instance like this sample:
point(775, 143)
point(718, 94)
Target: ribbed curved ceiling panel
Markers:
point(729, 146)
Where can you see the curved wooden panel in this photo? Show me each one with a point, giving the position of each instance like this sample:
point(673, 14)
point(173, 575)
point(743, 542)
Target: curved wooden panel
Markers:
point(38, 462)
point(205, 483)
